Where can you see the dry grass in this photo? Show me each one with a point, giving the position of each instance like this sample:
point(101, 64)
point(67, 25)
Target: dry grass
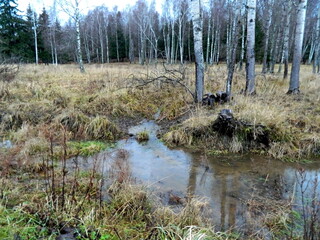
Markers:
point(293, 121)
point(90, 104)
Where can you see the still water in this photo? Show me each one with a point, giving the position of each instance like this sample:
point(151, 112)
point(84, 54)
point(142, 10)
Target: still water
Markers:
point(227, 183)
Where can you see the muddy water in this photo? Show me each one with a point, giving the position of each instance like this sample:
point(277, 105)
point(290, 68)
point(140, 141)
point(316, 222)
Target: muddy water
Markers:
point(227, 183)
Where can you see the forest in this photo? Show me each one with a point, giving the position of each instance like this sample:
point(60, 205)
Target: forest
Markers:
point(139, 33)
point(199, 120)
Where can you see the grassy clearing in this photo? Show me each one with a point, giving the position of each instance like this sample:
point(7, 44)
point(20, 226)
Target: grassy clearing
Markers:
point(53, 113)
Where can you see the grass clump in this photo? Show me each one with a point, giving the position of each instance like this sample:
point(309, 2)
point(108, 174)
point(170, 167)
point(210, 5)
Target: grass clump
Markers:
point(74, 121)
point(100, 128)
point(142, 136)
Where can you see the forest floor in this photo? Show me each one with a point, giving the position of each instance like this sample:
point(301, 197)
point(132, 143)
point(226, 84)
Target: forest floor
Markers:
point(51, 114)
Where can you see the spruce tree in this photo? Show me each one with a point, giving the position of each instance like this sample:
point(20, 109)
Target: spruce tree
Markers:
point(11, 29)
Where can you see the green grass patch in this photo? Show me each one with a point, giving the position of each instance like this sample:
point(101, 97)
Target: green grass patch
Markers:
point(16, 224)
point(88, 148)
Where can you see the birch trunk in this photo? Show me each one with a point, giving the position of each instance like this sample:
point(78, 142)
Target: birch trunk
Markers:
point(208, 41)
point(35, 36)
point(212, 42)
point(242, 45)
point(267, 36)
point(198, 48)
point(287, 13)
point(233, 51)
point(250, 65)
point(294, 87)
point(172, 42)
point(131, 47)
point(317, 45)
point(180, 41)
point(86, 48)
point(77, 20)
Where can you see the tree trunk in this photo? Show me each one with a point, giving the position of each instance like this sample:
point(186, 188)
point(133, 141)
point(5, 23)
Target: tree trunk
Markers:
point(101, 42)
point(142, 54)
point(172, 42)
point(242, 45)
point(287, 13)
point(212, 42)
point(233, 48)
point(266, 38)
point(79, 53)
point(35, 36)
point(294, 86)
point(180, 40)
point(208, 41)
point(117, 43)
point(317, 47)
point(250, 66)
point(198, 48)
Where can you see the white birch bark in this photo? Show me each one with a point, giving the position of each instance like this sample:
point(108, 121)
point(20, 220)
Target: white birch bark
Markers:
point(195, 7)
point(233, 47)
point(266, 38)
point(34, 21)
point(243, 29)
point(77, 20)
point(294, 86)
point(250, 65)
point(317, 45)
point(285, 56)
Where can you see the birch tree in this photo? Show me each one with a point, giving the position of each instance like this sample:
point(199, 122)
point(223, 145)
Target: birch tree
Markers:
point(287, 5)
point(71, 7)
point(317, 46)
point(250, 65)
point(195, 9)
point(269, 6)
point(33, 15)
point(294, 86)
point(233, 45)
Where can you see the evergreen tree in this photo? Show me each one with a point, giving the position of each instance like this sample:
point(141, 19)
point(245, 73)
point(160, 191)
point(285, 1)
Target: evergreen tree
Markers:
point(44, 36)
point(12, 30)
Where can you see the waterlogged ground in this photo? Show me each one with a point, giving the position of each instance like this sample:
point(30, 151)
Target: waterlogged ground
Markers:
point(230, 184)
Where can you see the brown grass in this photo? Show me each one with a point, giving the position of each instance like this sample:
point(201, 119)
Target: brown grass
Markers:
point(87, 103)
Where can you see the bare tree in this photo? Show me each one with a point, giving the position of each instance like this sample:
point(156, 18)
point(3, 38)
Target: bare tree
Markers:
point(35, 29)
point(195, 9)
point(317, 46)
point(250, 68)
point(269, 8)
point(71, 7)
point(233, 45)
point(294, 87)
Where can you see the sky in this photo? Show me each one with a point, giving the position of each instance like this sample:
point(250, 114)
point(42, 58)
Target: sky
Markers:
point(85, 5)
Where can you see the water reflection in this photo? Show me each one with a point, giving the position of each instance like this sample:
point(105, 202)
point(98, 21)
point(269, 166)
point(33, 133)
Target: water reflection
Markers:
point(226, 182)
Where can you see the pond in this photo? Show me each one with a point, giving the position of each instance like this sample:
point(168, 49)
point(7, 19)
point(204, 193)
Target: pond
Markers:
point(228, 183)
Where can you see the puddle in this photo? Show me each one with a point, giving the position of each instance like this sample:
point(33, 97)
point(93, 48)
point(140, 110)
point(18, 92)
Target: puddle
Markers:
point(227, 182)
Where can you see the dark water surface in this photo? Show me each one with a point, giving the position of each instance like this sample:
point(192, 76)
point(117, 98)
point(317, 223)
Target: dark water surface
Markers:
point(227, 183)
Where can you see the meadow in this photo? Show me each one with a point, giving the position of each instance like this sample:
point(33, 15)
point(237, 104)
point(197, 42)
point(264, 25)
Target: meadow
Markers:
point(53, 113)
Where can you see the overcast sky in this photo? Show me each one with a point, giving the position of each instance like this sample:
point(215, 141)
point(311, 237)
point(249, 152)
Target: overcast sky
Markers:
point(85, 4)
